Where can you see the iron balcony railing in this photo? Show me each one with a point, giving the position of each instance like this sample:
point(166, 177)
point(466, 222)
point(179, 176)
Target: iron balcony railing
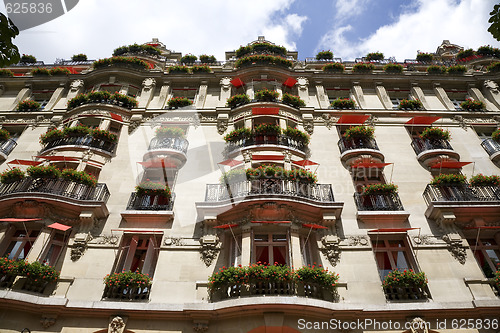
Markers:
point(281, 140)
point(86, 141)
point(491, 146)
point(378, 202)
point(461, 192)
point(59, 187)
point(317, 192)
point(6, 147)
point(179, 144)
point(150, 202)
point(406, 293)
point(124, 292)
point(420, 145)
point(351, 144)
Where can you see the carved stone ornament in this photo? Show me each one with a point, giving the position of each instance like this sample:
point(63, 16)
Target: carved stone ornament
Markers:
point(418, 325)
point(329, 120)
point(302, 83)
point(104, 239)
point(80, 246)
point(148, 83)
point(491, 86)
point(424, 240)
point(225, 83)
point(309, 126)
point(32, 208)
point(357, 241)
point(76, 84)
point(174, 241)
point(200, 326)
point(331, 249)
point(222, 124)
point(455, 247)
point(46, 322)
point(210, 248)
point(116, 325)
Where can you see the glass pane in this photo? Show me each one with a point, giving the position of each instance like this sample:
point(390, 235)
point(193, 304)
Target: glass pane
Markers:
point(384, 264)
point(262, 254)
point(400, 260)
point(51, 257)
point(279, 255)
point(279, 238)
point(261, 238)
point(396, 243)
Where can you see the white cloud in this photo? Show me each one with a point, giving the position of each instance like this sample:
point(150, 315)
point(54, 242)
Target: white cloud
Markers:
point(346, 9)
point(462, 22)
point(96, 27)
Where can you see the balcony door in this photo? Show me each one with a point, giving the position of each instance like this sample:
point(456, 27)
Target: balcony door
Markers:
point(271, 248)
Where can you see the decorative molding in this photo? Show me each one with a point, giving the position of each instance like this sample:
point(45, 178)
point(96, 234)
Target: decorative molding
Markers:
point(222, 123)
point(200, 326)
point(331, 249)
point(329, 120)
point(174, 241)
point(104, 239)
point(302, 83)
point(418, 325)
point(47, 321)
point(225, 83)
point(308, 126)
point(148, 83)
point(80, 245)
point(424, 240)
point(492, 86)
point(372, 120)
point(455, 247)
point(75, 85)
point(358, 241)
point(210, 248)
point(33, 208)
point(117, 324)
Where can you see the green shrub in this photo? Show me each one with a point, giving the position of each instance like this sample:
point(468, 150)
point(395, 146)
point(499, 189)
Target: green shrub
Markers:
point(343, 103)
point(435, 133)
point(363, 68)
point(76, 131)
point(152, 188)
point(189, 59)
point(121, 61)
point(472, 105)
point(237, 100)
point(238, 134)
point(481, 180)
point(374, 56)
point(406, 278)
point(201, 69)
point(207, 59)
point(359, 132)
point(335, 67)
point(28, 59)
point(296, 134)
point(263, 59)
point(410, 104)
point(11, 176)
point(80, 177)
point(45, 172)
point(128, 279)
point(51, 135)
point(292, 100)
point(40, 71)
point(100, 134)
point(462, 55)
point(28, 105)
point(178, 102)
point(79, 57)
point(178, 69)
point(449, 179)
point(434, 69)
point(266, 95)
point(457, 69)
point(393, 68)
point(324, 55)
point(425, 57)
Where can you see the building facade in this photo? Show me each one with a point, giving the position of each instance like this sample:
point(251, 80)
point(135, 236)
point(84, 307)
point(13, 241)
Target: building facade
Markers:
point(246, 171)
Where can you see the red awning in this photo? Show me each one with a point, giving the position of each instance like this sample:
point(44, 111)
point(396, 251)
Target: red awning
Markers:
point(422, 120)
point(59, 226)
point(369, 165)
point(265, 111)
point(230, 162)
point(236, 82)
point(116, 117)
point(225, 226)
point(313, 226)
point(268, 157)
point(272, 222)
point(290, 82)
point(13, 219)
point(25, 162)
point(393, 230)
point(304, 163)
point(353, 119)
point(59, 158)
point(449, 165)
point(158, 163)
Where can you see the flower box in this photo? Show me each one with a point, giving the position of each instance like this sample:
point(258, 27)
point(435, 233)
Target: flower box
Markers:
point(266, 95)
point(178, 70)
point(434, 69)
point(292, 100)
point(11, 176)
point(44, 172)
point(393, 68)
point(80, 177)
point(267, 129)
point(237, 100)
point(101, 96)
point(78, 100)
point(178, 102)
point(359, 132)
point(152, 188)
point(51, 135)
point(343, 103)
point(481, 180)
point(374, 189)
point(4, 135)
point(38, 276)
point(297, 135)
point(238, 134)
point(435, 133)
point(127, 285)
point(472, 105)
point(40, 71)
point(28, 105)
point(374, 56)
point(410, 104)
point(405, 278)
point(6, 73)
point(169, 132)
point(363, 68)
point(324, 55)
point(123, 100)
point(334, 67)
point(449, 179)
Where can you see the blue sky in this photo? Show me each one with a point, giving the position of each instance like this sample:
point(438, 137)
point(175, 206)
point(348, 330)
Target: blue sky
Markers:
point(349, 28)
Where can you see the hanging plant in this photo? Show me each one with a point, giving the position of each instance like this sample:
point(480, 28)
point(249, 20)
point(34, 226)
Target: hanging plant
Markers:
point(237, 100)
point(435, 133)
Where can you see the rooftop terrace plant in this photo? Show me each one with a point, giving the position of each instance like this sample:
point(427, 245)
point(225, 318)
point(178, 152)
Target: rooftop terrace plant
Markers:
point(336, 67)
point(465, 54)
point(121, 61)
point(425, 57)
point(207, 59)
point(435, 69)
point(6, 73)
point(324, 55)
point(374, 56)
point(79, 57)
point(135, 48)
point(263, 59)
point(28, 59)
point(393, 68)
point(189, 59)
point(362, 67)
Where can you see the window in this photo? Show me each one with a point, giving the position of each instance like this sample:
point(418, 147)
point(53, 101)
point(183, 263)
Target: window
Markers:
point(487, 253)
point(392, 252)
point(139, 253)
point(20, 242)
point(367, 176)
point(271, 248)
point(42, 97)
point(396, 95)
point(53, 249)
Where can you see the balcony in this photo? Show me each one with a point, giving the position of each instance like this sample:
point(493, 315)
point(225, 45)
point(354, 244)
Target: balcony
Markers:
point(6, 148)
point(380, 207)
point(462, 203)
point(65, 194)
point(353, 148)
point(126, 293)
point(173, 148)
point(259, 140)
point(492, 148)
point(429, 151)
point(149, 208)
point(405, 293)
point(82, 142)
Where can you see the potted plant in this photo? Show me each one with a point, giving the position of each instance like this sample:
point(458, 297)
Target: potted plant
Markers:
point(465, 54)
point(44, 172)
point(78, 100)
point(495, 136)
point(374, 56)
point(301, 176)
point(207, 59)
point(169, 132)
point(59, 71)
point(79, 57)
point(448, 179)
point(127, 285)
point(124, 100)
point(6, 73)
point(11, 176)
point(233, 176)
point(435, 69)
point(435, 133)
point(410, 104)
point(472, 105)
point(405, 279)
point(266, 95)
point(101, 96)
point(425, 57)
point(201, 69)
point(38, 276)
point(494, 67)
point(76, 131)
point(28, 105)
point(237, 100)
point(51, 135)
point(9, 269)
point(40, 71)
point(333, 67)
point(456, 69)
point(4, 135)
point(267, 129)
point(374, 189)
point(238, 134)
point(363, 68)
point(359, 132)
point(317, 275)
point(189, 59)
point(266, 171)
point(342, 103)
point(297, 135)
point(393, 68)
point(324, 55)
point(178, 69)
point(152, 189)
point(80, 177)
point(292, 100)
point(28, 59)
point(482, 180)
point(178, 102)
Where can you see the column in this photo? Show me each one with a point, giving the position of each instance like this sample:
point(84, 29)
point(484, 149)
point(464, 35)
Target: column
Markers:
point(418, 93)
point(21, 96)
point(383, 96)
point(443, 97)
point(357, 91)
point(322, 96)
point(202, 95)
point(225, 90)
point(148, 86)
point(246, 247)
point(295, 248)
point(163, 97)
point(56, 96)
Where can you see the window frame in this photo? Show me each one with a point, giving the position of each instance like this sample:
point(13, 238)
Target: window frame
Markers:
point(476, 244)
point(128, 250)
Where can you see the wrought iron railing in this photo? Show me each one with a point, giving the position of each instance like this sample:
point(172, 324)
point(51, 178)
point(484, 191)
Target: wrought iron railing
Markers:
point(179, 144)
point(150, 202)
point(491, 146)
point(7, 146)
point(317, 192)
point(85, 141)
point(351, 144)
point(127, 293)
point(405, 293)
point(57, 187)
point(462, 192)
point(420, 145)
point(282, 140)
point(378, 202)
